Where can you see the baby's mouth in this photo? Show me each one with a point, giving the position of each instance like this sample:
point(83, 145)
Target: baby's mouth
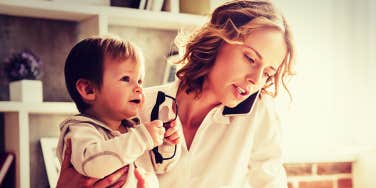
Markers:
point(136, 101)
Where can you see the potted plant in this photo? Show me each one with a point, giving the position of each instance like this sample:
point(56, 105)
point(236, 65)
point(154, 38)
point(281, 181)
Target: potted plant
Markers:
point(23, 70)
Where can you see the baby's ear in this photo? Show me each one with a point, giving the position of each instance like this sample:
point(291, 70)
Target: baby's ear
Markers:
point(86, 89)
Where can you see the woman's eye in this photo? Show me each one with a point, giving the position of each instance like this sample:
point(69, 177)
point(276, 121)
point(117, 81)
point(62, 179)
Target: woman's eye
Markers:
point(269, 74)
point(139, 82)
point(249, 59)
point(125, 79)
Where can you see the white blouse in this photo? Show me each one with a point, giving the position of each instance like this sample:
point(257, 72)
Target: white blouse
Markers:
point(231, 150)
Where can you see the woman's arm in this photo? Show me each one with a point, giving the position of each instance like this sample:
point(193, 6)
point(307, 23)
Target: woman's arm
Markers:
point(70, 178)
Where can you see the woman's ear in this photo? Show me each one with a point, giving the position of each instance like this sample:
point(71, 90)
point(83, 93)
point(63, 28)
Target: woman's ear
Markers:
point(86, 89)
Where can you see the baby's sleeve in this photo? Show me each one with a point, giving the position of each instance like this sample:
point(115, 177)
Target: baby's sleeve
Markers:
point(94, 156)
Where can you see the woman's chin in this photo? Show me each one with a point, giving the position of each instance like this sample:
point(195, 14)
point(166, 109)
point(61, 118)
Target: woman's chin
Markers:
point(232, 104)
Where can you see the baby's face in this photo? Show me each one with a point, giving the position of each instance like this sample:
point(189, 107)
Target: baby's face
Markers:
point(120, 95)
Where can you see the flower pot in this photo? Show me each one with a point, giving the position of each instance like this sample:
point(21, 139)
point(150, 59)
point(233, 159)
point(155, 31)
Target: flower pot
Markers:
point(26, 91)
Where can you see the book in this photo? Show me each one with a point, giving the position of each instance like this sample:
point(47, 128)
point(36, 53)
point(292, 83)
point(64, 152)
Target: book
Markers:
point(156, 5)
point(6, 166)
point(142, 5)
point(148, 4)
point(171, 6)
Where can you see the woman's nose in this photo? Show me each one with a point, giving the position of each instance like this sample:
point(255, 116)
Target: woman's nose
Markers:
point(255, 77)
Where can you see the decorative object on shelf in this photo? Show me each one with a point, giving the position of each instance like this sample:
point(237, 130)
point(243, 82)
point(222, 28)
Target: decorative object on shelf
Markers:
point(201, 7)
point(23, 69)
point(7, 169)
point(154, 5)
point(171, 67)
point(48, 145)
point(171, 6)
point(86, 2)
point(125, 3)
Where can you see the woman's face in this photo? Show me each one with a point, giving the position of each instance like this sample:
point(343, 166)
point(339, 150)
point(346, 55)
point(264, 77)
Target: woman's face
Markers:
point(241, 70)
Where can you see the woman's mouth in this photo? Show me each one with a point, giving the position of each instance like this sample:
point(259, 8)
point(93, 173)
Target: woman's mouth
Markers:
point(239, 92)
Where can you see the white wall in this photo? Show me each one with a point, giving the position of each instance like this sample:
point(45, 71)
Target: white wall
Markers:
point(336, 78)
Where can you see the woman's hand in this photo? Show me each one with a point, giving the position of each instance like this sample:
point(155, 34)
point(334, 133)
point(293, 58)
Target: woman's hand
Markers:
point(70, 178)
point(171, 135)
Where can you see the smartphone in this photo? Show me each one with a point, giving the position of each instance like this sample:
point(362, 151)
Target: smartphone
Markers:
point(244, 107)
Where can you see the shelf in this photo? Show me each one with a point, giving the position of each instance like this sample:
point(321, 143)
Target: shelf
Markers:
point(45, 9)
point(325, 154)
point(113, 15)
point(39, 108)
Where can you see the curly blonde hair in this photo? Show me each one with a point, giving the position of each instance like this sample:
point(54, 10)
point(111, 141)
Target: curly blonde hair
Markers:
point(231, 23)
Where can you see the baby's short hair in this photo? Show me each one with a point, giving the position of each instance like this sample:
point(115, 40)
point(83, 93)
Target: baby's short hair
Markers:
point(86, 61)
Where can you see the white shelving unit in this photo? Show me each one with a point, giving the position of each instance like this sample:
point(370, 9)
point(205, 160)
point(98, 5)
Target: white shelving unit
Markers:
point(109, 15)
point(17, 131)
point(38, 108)
point(93, 20)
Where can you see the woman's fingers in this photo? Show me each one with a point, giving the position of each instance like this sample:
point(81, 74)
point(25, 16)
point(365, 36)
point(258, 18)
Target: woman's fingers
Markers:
point(112, 178)
point(121, 181)
point(170, 131)
point(173, 137)
point(89, 182)
point(119, 184)
point(140, 178)
point(173, 123)
point(67, 155)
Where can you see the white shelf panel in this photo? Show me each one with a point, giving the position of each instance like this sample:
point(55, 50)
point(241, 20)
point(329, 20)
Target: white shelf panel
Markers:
point(45, 9)
point(114, 15)
point(151, 19)
point(39, 108)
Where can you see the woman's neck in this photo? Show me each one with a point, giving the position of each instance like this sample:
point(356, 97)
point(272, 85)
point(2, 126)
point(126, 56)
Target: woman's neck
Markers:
point(192, 110)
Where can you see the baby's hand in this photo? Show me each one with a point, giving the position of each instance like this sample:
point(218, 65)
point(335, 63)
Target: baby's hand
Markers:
point(171, 135)
point(156, 131)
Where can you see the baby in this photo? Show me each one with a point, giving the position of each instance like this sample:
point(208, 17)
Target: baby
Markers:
point(104, 78)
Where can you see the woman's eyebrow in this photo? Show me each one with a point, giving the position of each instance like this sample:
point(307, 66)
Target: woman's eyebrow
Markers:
point(257, 53)
point(273, 68)
point(260, 56)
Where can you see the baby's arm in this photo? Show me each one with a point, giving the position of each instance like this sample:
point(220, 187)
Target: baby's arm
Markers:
point(96, 157)
point(167, 149)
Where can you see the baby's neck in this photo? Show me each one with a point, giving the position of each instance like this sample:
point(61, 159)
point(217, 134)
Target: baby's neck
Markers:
point(112, 124)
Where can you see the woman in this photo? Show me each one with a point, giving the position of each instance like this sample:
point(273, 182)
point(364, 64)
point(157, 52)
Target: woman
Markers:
point(232, 67)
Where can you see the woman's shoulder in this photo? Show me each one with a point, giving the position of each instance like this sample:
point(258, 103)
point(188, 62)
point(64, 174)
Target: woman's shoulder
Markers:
point(264, 109)
point(267, 103)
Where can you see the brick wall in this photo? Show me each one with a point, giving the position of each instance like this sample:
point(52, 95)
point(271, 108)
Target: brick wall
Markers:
point(319, 175)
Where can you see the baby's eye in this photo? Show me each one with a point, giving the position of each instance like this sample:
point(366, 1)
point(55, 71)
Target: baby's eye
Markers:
point(125, 78)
